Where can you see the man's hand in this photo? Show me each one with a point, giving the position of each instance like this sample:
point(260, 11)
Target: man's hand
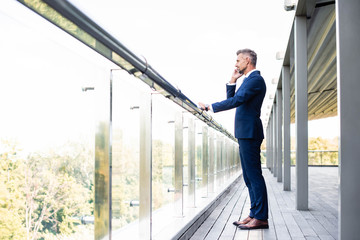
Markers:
point(235, 76)
point(203, 106)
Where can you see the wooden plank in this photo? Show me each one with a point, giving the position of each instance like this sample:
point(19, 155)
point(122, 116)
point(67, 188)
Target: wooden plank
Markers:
point(326, 237)
point(324, 217)
point(256, 234)
point(281, 230)
point(205, 228)
point(270, 234)
point(285, 222)
point(230, 229)
point(306, 229)
point(223, 218)
point(292, 226)
point(318, 228)
point(312, 238)
point(330, 228)
point(243, 234)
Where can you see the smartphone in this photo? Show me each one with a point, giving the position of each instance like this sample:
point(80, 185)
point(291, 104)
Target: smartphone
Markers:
point(241, 72)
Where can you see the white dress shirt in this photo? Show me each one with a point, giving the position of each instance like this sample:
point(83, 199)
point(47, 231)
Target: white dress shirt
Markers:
point(241, 80)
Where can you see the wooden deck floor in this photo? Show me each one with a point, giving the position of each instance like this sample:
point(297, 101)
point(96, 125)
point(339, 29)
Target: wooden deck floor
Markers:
point(320, 222)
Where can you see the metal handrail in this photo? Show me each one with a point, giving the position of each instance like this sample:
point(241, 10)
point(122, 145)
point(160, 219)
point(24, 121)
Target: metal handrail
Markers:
point(128, 60)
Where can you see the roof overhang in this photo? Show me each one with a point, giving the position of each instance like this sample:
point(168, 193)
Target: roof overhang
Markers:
point(321, 50)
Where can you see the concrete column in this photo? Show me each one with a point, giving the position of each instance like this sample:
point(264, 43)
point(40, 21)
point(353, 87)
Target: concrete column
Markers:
point(301, 112)
point(279, 134)
point(286, 124)
point(274, 159)
point(348, 52)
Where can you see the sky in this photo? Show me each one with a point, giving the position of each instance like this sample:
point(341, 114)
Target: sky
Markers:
point(193, 44)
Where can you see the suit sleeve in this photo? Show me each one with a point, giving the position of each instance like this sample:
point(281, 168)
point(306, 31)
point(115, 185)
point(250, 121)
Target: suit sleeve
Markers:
point(230, 90)
point(244, 94)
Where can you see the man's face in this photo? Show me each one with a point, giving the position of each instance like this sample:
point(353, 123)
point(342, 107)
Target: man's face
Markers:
point(242, 62)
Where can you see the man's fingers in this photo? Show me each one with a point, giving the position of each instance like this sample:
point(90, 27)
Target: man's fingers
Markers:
point(202, 106)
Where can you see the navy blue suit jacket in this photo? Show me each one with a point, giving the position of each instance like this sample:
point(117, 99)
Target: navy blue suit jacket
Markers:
point(247, 100)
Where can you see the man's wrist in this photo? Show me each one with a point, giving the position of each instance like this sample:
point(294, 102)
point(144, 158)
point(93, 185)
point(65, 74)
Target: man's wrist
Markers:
point(233, 80)
point(207, 107)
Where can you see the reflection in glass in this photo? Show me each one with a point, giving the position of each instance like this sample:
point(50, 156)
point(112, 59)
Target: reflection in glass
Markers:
point(191, 163)
point(125, 155)
point(47, 129)
point(163, 160)
point(205, 160)
point(198, 159)
point(56, 18)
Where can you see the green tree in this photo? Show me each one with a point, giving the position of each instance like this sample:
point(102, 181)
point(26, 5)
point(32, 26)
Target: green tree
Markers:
point(53, 197)
point(11, 196)
point(41, 195)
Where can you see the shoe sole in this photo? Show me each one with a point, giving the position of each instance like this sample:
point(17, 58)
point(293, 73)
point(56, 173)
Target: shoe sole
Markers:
point(242, 227)
point(238, 224)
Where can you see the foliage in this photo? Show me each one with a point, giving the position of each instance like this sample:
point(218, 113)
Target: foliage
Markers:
point(41, 194)
point(11, 197)
point(321, 151)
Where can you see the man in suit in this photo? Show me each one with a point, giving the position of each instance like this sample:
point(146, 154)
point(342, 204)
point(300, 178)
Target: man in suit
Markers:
point(249, 131)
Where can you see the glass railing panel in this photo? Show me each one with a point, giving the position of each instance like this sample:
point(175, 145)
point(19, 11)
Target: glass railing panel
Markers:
point(178, 168)
point(47, 129)
point(186, 166)
point(219, 172)
point(315, 157)
point(191, 155)
point(200, 191)
point(323, 158)
point(126, 105)
point(163, 161)
point(50, 137)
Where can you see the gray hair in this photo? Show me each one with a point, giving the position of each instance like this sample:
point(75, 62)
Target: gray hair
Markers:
point(252, 55)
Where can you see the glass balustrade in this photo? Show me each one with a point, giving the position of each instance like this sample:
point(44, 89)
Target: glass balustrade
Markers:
point(47, 129)
point(125, 177)
point(90, 151)
point(163, 162)
point(316, 158)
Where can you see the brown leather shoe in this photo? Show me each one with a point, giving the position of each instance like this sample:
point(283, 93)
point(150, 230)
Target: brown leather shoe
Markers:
point(242, 222)
point(255, 224)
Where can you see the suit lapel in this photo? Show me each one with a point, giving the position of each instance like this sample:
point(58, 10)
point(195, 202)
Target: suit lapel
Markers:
point(247, 78)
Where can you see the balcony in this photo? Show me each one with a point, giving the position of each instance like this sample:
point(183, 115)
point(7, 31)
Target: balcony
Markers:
point(95, 143)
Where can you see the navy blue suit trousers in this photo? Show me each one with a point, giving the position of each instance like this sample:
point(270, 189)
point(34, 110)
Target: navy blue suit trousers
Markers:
point(254, 180)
